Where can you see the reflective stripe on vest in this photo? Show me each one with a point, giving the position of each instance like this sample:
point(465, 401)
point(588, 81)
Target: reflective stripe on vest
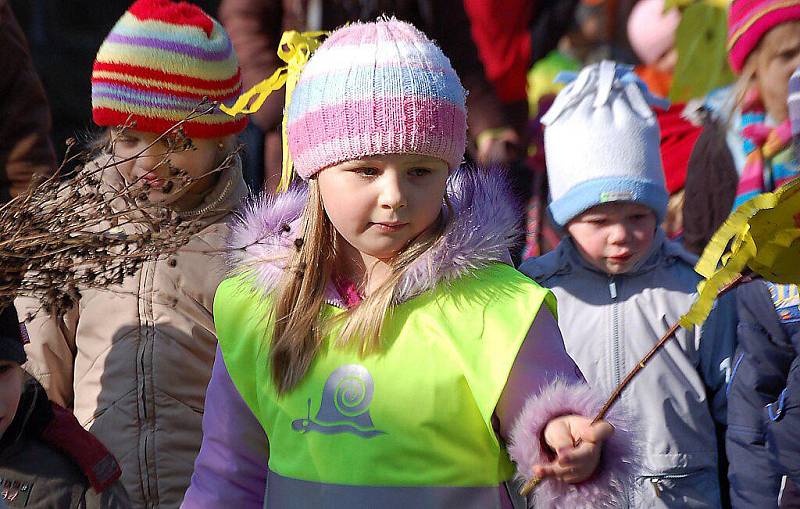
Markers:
point(417, 414)
point(283, 492)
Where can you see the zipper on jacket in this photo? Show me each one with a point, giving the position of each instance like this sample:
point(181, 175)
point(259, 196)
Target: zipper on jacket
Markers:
point(145, 358)
point(615, 355)
point(656, 487)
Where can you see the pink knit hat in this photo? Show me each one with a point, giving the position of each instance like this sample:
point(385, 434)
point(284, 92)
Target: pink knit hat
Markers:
point(376, 88)
point(651, 31)
point(749, 20)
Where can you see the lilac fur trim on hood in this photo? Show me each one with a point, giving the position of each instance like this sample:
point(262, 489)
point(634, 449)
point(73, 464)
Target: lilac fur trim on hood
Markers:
point(620, 460)
point(263, 233)
point(484, 223)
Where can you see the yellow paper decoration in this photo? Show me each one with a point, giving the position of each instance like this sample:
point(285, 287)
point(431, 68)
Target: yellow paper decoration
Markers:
point(295, 49)
point(764, 235)
point(680, 4)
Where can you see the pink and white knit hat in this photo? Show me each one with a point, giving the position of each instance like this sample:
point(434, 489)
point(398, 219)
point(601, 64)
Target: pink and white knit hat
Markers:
point(376, 88)
point(750, 20)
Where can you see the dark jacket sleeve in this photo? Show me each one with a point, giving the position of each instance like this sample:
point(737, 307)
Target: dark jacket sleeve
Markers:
point(783, 427)
point(762, 359)
point(710, 188)
point(783, 430)
point(25, 148)
point(717, 345)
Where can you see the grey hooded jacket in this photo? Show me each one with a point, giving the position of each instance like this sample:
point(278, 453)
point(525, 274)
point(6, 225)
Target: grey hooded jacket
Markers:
point(610, 322)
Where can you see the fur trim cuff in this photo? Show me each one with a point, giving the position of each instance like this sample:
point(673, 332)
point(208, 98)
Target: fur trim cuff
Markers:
point(612, 480)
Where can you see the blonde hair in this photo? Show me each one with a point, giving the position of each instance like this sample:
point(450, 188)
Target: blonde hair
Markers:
point(299, 324)
point(746, 80)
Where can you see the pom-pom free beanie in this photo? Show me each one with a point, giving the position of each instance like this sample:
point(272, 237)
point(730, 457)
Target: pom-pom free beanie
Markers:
point(601, 142)
point(749, 20)
point(651, 31)
point(376, 88)
point(158, 63)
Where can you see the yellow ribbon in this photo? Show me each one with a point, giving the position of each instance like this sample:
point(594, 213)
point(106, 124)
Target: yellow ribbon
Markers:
point(763, 234)
point(295, 49)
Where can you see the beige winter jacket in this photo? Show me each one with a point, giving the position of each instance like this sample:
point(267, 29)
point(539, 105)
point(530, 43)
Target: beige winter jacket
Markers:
point(134, 361)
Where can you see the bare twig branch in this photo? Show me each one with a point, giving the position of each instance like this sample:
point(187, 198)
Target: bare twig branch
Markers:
point(68, 234)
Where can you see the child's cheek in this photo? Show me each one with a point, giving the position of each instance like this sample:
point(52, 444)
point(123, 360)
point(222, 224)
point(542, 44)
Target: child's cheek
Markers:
point(597, 244)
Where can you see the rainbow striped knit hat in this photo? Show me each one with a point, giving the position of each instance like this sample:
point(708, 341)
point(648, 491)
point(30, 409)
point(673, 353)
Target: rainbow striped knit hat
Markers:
point(750, 20)
point(376, 88)
point(158, 63)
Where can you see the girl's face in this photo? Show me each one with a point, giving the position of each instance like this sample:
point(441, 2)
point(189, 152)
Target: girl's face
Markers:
point(10, 392)
point(380, 204)
point(776, 59)
point(614, 237)
point(157, 164)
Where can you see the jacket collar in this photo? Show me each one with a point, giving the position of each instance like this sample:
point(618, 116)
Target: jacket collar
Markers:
point(482, 228)
point(226, 195)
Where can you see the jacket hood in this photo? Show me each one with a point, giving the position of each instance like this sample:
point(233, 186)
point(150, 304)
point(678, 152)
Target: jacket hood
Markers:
point(480, 229)
point(566, 258)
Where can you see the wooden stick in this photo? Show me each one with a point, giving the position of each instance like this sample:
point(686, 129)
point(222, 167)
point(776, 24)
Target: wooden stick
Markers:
point(741, 278)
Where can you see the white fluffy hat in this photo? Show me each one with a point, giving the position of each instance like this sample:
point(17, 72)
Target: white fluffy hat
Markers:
point(602, 142)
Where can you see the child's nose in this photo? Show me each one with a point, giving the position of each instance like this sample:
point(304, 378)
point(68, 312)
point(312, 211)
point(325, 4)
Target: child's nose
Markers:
point(150, 159)
point(392, 195)
point(618, 234)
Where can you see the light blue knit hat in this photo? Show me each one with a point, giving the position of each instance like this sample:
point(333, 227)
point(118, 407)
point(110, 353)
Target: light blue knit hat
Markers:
point(602, 143)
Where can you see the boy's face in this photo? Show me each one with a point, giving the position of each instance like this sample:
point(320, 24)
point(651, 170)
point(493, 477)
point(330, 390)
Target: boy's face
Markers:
point(10, 392)
point(613, 237)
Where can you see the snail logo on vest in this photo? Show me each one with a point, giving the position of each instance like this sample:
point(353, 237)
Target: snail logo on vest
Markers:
point(345, 405)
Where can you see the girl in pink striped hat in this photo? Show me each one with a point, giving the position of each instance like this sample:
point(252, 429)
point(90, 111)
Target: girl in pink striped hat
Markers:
point(745, 147)
point(376, 348)
point(764, 48)
point(725, 171)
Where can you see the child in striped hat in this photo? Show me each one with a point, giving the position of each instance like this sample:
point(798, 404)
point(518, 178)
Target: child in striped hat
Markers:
point(764, 49)
point(164, 64)
point(133, 362)
point(763, 414)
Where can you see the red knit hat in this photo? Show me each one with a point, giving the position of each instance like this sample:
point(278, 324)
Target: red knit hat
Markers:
point(158, 63)
point(749, 20)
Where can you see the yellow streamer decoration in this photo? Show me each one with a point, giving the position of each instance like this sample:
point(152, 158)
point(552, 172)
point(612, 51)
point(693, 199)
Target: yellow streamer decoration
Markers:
point(764, 235)
point(681, 4)
point(295, 49)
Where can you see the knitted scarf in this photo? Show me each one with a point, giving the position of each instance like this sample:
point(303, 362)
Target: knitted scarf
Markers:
point(770, 158)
